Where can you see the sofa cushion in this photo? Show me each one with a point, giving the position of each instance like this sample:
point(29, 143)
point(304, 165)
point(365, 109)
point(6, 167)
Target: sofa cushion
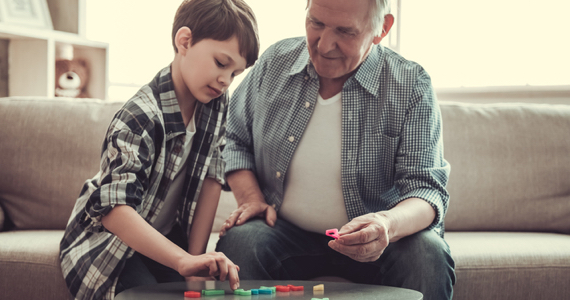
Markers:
point(49, 148)
point(510, 166)
point(29, 265)
point(514, 265)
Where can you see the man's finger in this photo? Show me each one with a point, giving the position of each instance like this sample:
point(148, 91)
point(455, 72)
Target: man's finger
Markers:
point(363, 236)
point(270, 216)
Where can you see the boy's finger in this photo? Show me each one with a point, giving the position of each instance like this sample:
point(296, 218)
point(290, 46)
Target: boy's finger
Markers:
point(234, 277)
point(213, 266)
point(223, 268)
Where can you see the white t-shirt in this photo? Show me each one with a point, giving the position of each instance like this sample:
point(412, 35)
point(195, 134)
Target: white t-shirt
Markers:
point(313, 197)
point(167, 216)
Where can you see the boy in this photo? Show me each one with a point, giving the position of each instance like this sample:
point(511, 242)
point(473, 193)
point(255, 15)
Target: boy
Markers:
point(146, 216)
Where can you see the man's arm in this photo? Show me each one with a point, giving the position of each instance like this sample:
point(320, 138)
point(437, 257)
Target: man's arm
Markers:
point(250, 200)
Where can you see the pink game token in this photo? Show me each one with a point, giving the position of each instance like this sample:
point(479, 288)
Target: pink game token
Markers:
point(333, 233)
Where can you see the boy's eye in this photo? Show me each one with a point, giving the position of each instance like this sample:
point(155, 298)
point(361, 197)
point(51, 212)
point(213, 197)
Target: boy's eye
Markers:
point(220, 64)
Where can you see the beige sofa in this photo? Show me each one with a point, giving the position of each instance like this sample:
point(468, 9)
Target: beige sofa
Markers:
point(508, 223)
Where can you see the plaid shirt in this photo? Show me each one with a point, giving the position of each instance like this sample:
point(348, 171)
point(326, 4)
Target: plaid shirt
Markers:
point(392, 147)
point(140, 157)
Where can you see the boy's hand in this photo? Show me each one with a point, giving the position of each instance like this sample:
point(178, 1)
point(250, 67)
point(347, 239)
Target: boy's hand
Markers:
point(210, 264)
point(247, 211)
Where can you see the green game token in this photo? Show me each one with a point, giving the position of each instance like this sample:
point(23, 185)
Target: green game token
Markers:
point(272, 288)
point(213, 292)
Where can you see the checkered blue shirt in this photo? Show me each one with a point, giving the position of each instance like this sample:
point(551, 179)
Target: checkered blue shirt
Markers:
point(141, 155)
point(392, 147)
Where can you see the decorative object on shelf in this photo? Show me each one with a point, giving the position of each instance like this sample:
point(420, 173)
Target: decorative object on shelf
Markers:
point(32, 13)
point(71, 76)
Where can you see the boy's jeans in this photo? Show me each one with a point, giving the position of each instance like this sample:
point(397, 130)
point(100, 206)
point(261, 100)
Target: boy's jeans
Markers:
point(420, 262)
point(141, 270)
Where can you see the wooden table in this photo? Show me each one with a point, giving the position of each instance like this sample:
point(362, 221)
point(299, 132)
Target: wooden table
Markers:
point(332, 290)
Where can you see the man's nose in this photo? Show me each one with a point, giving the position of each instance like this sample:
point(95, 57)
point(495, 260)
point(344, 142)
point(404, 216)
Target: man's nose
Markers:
point(327, 41)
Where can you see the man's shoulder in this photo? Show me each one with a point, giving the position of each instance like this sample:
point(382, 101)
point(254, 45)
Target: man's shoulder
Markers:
point(396, 63)
point(288, 49)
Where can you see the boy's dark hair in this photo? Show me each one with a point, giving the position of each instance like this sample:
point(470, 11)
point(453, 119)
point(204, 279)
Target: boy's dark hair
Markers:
point(219, 20)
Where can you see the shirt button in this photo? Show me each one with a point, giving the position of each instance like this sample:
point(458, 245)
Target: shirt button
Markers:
point(278, 174)
point(177, 149)
point(307, 104)
point(291, 139)
point(306, 77)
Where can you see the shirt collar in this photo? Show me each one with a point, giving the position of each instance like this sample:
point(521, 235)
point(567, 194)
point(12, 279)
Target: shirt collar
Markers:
point(173, 122)
point(367, 75)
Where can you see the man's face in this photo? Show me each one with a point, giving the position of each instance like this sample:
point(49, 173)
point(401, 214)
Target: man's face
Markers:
point(339, 36)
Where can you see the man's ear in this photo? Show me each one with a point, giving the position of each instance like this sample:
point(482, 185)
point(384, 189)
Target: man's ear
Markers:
point(388, 22)
point(183, 39)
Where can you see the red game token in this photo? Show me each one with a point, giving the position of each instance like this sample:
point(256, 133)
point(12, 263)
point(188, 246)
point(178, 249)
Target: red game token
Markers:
point(282, 288)
point(192, 294)
point(296, 288)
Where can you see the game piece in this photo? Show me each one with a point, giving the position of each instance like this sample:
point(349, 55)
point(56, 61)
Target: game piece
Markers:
point(333, 233)
point(254, 291)
point(296, 288)
point(264, 291)
point(272, 288)
point(242, 292)
point(237, 291)
point(282, 288)
point(213, 292)
point(192, 294)
point(319, 287)
point(319, 299)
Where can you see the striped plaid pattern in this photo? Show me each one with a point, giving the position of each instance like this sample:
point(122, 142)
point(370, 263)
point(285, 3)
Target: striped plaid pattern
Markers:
point(392, 147)
point(140, 157)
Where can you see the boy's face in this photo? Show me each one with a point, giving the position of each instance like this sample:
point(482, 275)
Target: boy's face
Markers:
point(209, 67)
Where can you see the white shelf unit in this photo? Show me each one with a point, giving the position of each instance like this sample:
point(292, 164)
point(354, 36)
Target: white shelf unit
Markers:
point(32, 53)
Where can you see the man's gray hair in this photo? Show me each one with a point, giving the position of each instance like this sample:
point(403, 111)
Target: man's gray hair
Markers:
point(378, 10)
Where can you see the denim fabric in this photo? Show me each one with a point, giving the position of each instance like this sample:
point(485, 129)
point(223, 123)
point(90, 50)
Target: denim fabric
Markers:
point(140, 270)
point(420, 262)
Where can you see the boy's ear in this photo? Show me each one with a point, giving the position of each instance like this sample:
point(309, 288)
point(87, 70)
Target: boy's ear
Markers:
point(183, 39)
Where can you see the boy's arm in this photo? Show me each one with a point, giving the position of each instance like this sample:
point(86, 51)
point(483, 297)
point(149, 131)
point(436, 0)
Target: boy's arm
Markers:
point(204, 215)
point(131, 228)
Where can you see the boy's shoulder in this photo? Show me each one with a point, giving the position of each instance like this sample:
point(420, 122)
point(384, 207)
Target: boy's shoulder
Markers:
point(139, 112)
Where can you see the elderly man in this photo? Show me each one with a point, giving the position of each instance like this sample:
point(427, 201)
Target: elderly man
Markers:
point(336, 131)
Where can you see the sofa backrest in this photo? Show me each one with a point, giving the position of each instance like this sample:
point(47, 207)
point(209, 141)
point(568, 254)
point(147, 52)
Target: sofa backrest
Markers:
point(510, 166)
point(510, 163)
point(49, 148)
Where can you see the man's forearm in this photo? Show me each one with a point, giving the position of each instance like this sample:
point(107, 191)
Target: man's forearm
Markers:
point(244, 186)
point(408, 217)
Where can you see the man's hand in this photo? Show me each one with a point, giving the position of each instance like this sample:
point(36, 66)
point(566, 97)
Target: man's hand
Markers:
point(210, 264)
point(251, 202)
point(364, 238)
point(247, 211)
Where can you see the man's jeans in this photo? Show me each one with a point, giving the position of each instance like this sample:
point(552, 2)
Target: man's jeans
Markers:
point(420, 262)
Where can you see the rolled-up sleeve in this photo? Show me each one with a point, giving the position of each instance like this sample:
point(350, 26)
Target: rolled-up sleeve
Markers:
point(125, 171)
point(421, 170)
